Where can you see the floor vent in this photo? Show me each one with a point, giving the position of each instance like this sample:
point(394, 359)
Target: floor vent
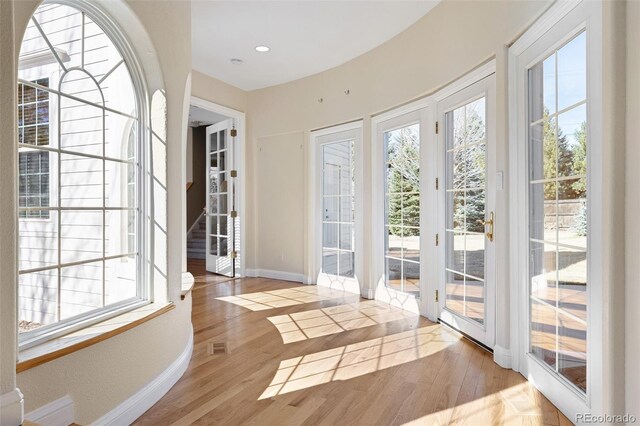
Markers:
point(217, 348)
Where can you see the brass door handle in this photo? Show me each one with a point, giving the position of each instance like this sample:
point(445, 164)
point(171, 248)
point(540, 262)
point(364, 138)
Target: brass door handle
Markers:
point(489, 222)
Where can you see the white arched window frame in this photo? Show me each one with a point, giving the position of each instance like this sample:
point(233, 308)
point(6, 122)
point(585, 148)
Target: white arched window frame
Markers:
point(118, 260)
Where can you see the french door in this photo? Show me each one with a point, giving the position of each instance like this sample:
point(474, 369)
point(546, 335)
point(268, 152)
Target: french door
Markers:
point(335, 213)
point(557, 243)
point(402, 220)
point(466, 205)
point(220, 208)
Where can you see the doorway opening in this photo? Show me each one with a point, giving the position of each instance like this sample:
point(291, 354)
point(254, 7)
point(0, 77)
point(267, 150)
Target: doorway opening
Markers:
point(214, 189)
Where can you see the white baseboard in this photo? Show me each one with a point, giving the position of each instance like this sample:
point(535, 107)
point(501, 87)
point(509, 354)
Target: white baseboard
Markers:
point(11, 408)
point(369, 293)
point(56, 413)
point(128, 411)
point(502, 356)
point(276, 275)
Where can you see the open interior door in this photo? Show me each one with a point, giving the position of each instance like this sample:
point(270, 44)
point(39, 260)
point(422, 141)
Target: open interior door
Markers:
point(219, 210)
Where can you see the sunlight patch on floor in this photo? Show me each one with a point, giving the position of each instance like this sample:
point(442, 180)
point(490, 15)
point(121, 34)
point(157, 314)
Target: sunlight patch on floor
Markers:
point(335, 319)
point(514, 405)
point(284, 297)
point(359, 359)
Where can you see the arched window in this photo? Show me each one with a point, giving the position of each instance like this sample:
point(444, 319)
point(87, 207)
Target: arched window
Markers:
point(80, 174)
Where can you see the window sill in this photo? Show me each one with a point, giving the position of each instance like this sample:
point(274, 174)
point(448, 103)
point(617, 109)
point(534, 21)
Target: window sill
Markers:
point(188, 282)
point(73, 342)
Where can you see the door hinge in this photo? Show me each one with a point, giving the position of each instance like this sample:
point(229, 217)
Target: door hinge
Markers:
point(437, 127)
point(437, 184)
point(234, 173)
point(437, 239)
point(437, 297)
point(233, 213)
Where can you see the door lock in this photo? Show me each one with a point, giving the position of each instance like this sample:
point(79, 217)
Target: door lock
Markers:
point(489, 223)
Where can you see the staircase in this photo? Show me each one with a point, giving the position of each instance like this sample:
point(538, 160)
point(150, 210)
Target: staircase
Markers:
point(196, 242)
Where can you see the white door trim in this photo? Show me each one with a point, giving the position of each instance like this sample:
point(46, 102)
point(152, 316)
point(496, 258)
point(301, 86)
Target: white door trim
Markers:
point(240, 158)
point(317, 138)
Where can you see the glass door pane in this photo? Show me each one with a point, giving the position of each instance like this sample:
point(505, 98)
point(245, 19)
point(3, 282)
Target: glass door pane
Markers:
point(213, 194)
point(465, 182)
point(558, 211)
point(338, 250)
point(402, 209)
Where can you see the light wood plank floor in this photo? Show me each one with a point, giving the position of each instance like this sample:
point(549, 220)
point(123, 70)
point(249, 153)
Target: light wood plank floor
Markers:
point(368, 364)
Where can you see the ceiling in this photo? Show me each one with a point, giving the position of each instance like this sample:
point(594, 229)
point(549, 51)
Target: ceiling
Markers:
point(305, 37)
point(201, 117)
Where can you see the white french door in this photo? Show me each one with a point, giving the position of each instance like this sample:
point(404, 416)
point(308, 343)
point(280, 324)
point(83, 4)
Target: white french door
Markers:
point(220, 208)
point(335, 214)
point(402, 219)
point(466, 205)
point(557, 242)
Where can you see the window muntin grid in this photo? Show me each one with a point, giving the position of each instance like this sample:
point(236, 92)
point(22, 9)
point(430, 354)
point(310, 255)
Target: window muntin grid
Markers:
point(33, 129)
point(402, 209)
point(338, 209)
point(77, 267)
point(558, 230)
point(465, 184)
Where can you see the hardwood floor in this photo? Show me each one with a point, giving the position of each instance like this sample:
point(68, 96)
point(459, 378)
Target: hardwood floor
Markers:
point(369, 364)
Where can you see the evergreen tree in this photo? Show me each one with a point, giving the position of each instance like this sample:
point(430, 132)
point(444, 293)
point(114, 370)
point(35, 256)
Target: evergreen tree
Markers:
point(404, 181)
point(580, 161)
point(556, 154)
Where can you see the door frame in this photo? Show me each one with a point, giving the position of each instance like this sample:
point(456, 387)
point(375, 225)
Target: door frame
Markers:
point(314, 216)
point(481, 86)
point(240, 165)
point(562, 21)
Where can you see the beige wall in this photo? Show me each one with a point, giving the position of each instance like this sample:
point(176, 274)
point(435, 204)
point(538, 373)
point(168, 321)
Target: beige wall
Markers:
point(632, 224)
point(281, 190)
point(418, 61)
point(106, 374)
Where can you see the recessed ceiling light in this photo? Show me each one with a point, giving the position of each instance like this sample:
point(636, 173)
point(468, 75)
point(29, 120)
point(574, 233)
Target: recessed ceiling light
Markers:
point(236, 61)
point(263, 48)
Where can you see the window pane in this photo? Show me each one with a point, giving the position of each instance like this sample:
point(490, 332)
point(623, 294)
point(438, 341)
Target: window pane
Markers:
point(38, 242)
point(346, 264)
point(37, 300)
point(572, 72)
point(330, 262)
point(81, 183)
point(120, 280)
point(411, 277)
point(80, 235)
point(81, 127)
point(80, 289)
point(474, 299)
point(572, 350)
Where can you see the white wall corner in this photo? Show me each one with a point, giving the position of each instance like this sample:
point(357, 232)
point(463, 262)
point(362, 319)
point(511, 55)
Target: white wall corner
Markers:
point(502, 356)
point(56, 413)
point(132, 408)
point(11, 408)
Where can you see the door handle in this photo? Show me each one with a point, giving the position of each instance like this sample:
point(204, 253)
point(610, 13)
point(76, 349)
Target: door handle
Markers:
point(490, 223)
